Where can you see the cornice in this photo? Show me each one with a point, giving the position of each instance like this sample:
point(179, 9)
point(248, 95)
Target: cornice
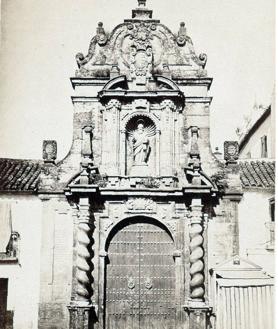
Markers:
point(194, 82)
point(77, 99)
point(139, 93)
point(88, 82)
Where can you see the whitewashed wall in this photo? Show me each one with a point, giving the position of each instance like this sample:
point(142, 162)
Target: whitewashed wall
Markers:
point(254, 214)
point(254, 144)
point(23, 286)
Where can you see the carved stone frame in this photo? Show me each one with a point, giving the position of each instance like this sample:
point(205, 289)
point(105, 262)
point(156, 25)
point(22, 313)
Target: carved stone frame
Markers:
point(124, 122)
point(178, 259)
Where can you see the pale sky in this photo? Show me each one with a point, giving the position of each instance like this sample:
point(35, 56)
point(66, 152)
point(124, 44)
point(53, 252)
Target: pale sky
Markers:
point(41, 38)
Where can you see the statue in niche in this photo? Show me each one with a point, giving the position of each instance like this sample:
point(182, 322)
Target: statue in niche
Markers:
point(139, 139)
point(140, 144)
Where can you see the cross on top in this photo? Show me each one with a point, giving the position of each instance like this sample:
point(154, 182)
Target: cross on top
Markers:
point(142, 3)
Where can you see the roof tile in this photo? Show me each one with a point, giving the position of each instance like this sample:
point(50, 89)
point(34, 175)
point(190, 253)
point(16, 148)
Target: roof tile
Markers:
point(257, 173)
point(19, 175)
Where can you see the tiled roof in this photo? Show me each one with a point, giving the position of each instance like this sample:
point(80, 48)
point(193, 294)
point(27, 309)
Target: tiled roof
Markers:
point(257, 174)
point(19, 175)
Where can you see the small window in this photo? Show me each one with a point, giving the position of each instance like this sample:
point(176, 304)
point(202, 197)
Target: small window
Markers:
point(272, 209)
point(6, 317)
point(264, 146)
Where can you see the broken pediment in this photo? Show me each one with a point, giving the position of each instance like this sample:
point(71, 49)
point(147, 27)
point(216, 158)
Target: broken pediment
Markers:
point(140, 48)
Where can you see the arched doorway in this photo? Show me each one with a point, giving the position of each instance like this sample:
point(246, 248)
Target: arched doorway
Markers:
point(140, 277)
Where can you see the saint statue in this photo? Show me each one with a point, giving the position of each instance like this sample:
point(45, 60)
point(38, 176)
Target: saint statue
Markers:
point(140, 144)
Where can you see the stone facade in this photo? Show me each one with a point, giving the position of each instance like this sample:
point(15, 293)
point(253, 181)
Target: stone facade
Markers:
point(140, 210)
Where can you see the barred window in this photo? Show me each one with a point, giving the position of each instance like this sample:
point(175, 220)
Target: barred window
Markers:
point(264, 146)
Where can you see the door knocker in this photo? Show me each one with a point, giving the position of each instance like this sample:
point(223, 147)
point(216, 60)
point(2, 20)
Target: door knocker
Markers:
point(148, 283)
point(130, 283)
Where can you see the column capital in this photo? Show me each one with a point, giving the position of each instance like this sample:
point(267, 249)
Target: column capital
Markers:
point(113, 103)
point(168, 103)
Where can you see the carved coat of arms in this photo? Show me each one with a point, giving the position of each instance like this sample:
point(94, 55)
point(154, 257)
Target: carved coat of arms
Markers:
point(140, 205)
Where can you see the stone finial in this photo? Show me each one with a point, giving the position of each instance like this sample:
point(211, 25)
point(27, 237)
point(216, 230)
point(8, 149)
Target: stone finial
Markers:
point(49, 151)
point(115, 71)
point(101, 35)
point(142, 3)
point(231, 151)
point(181, 39)
point(141, 12)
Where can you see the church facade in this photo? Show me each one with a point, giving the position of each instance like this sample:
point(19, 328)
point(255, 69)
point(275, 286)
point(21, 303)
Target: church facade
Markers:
point(134, 228)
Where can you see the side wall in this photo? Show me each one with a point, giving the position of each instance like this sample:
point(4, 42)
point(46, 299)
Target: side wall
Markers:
point(254, 144)
point(23, 284)
point(223, 232)
point(254, 227)
point(56, 263)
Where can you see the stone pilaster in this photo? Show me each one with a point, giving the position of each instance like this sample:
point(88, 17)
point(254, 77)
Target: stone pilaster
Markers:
point(81, 306)
point(167, 148)
point(112, 137)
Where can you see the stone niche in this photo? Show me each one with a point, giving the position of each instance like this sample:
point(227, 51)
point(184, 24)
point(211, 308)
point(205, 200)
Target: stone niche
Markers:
point(141, 146)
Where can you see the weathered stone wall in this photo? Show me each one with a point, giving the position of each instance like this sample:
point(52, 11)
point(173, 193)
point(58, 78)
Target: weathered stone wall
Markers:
point(198, 114)
point(56, 264)
point(223, 232)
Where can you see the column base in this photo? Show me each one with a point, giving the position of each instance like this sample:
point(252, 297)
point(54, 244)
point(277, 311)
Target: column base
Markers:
point(199, 314)
point(80, 315)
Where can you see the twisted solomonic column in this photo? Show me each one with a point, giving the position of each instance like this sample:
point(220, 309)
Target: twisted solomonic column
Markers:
point(83, 290)
point(197, 277)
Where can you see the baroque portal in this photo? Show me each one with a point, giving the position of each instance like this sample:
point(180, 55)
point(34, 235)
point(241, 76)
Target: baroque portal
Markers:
point(137, 227)
point(138, 181)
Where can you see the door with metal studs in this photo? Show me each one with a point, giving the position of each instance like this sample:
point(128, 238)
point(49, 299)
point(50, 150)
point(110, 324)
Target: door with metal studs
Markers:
point(140, 278)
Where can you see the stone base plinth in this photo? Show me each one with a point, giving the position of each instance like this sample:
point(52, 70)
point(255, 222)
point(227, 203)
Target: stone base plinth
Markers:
point(80, 316)
point(140, 170)
point(199, 315)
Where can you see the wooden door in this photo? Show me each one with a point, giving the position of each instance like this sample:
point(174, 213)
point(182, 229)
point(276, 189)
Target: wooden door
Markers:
point(140, 284)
